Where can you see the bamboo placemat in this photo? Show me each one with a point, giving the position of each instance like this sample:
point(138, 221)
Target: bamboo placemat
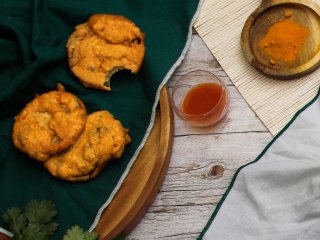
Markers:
point(274, 101)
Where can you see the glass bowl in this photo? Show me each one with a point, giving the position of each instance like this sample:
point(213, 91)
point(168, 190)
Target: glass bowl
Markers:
point(200, 98)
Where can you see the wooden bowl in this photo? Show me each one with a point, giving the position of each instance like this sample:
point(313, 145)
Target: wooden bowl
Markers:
point(306, 14)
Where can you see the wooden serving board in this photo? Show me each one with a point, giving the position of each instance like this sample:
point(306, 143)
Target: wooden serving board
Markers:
point(144, 180)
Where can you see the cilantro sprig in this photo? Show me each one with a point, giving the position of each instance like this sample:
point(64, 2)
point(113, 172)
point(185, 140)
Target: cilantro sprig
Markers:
point(36, 222)
point(77, 233)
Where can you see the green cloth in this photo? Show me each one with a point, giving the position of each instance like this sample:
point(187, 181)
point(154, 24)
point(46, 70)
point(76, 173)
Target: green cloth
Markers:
point(33, 60)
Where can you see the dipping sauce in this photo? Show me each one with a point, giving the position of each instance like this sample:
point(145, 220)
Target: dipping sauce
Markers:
point(200, 98)
point(205, 104)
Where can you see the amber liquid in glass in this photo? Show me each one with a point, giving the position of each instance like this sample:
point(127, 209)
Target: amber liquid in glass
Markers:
point(203, 98)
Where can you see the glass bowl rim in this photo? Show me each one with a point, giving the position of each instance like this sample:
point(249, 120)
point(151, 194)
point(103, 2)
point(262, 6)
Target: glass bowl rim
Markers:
point(224, 90)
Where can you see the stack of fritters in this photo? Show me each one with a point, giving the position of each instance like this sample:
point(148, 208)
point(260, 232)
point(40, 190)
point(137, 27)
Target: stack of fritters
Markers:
point(103, 139)
point(55, 129)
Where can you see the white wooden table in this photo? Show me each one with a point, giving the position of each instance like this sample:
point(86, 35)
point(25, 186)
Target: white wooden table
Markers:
point(190, 191)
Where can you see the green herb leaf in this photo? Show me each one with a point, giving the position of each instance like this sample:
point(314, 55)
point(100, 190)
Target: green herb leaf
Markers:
point(40, 211)
point(34, 232)
point(35, 224)
point(77, 233)
point(15, 219)
point(51, 227)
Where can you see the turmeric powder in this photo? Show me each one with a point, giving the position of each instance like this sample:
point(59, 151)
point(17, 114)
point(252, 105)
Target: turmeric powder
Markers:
point(283, 40)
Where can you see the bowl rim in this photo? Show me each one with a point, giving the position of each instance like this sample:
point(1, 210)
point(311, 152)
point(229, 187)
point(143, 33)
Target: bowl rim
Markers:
point(178, 84)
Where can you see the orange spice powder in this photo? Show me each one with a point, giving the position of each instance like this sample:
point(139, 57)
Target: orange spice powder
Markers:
point(284, 40)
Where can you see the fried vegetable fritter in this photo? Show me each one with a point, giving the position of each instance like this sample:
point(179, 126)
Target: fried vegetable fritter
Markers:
point(49, 124)
point(103, 139)
point(102, 46)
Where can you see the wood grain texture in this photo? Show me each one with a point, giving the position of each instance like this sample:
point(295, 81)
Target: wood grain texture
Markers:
point(4, 237)
point(144, 179)
point(189, 193)
point(220, 24)
point(269, 13)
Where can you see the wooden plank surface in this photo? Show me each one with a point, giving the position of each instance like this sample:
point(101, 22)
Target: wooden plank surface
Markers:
point(220, 24)
point(190, 192)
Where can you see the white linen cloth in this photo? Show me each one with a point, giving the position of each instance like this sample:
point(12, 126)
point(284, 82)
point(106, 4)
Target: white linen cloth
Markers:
point(276, 197)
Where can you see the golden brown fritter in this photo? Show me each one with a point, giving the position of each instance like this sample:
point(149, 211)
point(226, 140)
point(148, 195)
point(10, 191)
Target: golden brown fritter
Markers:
point(49, 124)
point(103, 139)
point(102, 46)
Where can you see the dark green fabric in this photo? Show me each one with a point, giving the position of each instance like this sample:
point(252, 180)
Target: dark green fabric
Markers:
point(33, 60)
